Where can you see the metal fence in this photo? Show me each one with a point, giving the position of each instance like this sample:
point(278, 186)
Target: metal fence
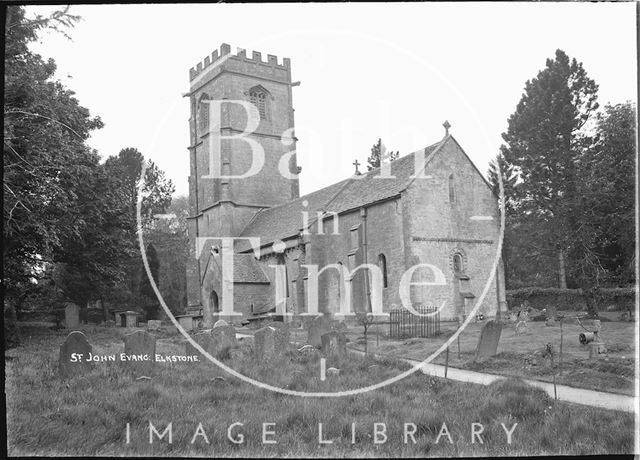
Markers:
point(403, 323)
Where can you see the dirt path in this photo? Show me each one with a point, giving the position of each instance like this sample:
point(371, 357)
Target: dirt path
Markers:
point(565, 393)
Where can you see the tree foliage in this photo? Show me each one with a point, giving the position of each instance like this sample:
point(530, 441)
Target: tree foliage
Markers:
point(46, 161)
point(566, 168)
point(67, 218)
point(607, 186)
point(379, 155)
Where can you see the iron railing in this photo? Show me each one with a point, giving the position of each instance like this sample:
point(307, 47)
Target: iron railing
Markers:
point(403, 323)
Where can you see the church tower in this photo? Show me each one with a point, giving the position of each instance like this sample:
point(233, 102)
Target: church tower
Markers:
point(220, 202)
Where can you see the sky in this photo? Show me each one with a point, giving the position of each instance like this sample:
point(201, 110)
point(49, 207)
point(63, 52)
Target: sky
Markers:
point(367, 71)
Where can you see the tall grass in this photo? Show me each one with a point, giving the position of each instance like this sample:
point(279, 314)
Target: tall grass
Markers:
point(88, 415)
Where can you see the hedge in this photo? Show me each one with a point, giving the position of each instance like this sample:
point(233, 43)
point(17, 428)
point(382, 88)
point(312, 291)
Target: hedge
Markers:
point(616, 299)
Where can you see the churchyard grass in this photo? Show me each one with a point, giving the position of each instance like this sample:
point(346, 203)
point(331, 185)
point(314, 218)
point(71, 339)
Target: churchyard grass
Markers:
point(520, 355)
point(87, 415)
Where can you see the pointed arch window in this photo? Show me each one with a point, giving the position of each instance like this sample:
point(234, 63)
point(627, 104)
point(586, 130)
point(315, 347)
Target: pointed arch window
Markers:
point(452, 189)
point(203, 113)
point(382, 263)
point(258, 96)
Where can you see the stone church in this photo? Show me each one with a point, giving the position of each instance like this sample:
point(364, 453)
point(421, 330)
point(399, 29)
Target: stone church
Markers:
point(432, 206)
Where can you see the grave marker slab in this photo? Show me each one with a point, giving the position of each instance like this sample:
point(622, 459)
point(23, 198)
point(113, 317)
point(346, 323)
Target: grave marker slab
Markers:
point(71, 315)
point(334, 343)
point(220, 323)
point(317, 327)
point(552, 313)
point(141, 347)
point(489, 338)
point(282, 335)
point(70, 362)
point(265, 348)
point(218, 342)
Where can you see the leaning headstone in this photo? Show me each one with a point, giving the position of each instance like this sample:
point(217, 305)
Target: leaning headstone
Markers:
point(317, 327)
point(264, 346)
point(489, 338)
point(71, 315)
point(521, 327)
point(140, 350)
point(154, 325)
point(334, 343)
point(74, 355)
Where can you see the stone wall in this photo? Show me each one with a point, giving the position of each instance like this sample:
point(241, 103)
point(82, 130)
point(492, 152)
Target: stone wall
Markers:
point(437, 227)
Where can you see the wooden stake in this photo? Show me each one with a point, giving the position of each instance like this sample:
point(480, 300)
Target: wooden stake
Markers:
point(446, 363)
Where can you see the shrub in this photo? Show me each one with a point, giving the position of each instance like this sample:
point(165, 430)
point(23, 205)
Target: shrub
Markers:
point(572, 299)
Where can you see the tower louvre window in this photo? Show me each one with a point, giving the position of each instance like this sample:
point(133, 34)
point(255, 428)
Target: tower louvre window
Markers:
point(203, 113)
point(259, 98)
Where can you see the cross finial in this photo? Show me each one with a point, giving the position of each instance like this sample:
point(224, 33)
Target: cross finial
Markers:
point(356, 164)
point(446, 125)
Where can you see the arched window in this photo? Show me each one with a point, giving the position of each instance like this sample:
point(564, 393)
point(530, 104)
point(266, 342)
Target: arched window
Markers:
point(213, 302)
point(203, 113)
point(457, 264)
point(280, 260)
point(452, 190)
point(382, 263)
point(258, 97)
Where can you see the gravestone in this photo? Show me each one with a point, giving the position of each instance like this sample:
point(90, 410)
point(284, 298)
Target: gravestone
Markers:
point(318, 326)
point(220, 323)
point(71, 315)
point(333, 371)
point(282, 335)
point(306, 349)
point(142, 346)
point(74, 355)
point(154, 325)
point(551, 315)
point(334, 343)
point(521, 327)
point(218, 342)
point(264, 345)
point(489, 338)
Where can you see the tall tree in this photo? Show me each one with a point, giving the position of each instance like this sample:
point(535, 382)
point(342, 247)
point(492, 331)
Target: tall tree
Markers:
point(543, 142)
point(379, 155)
point(46, 159)
point(607, 186)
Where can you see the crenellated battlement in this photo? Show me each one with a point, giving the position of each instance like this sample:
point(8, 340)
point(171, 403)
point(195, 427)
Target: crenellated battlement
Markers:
point(240, 55)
